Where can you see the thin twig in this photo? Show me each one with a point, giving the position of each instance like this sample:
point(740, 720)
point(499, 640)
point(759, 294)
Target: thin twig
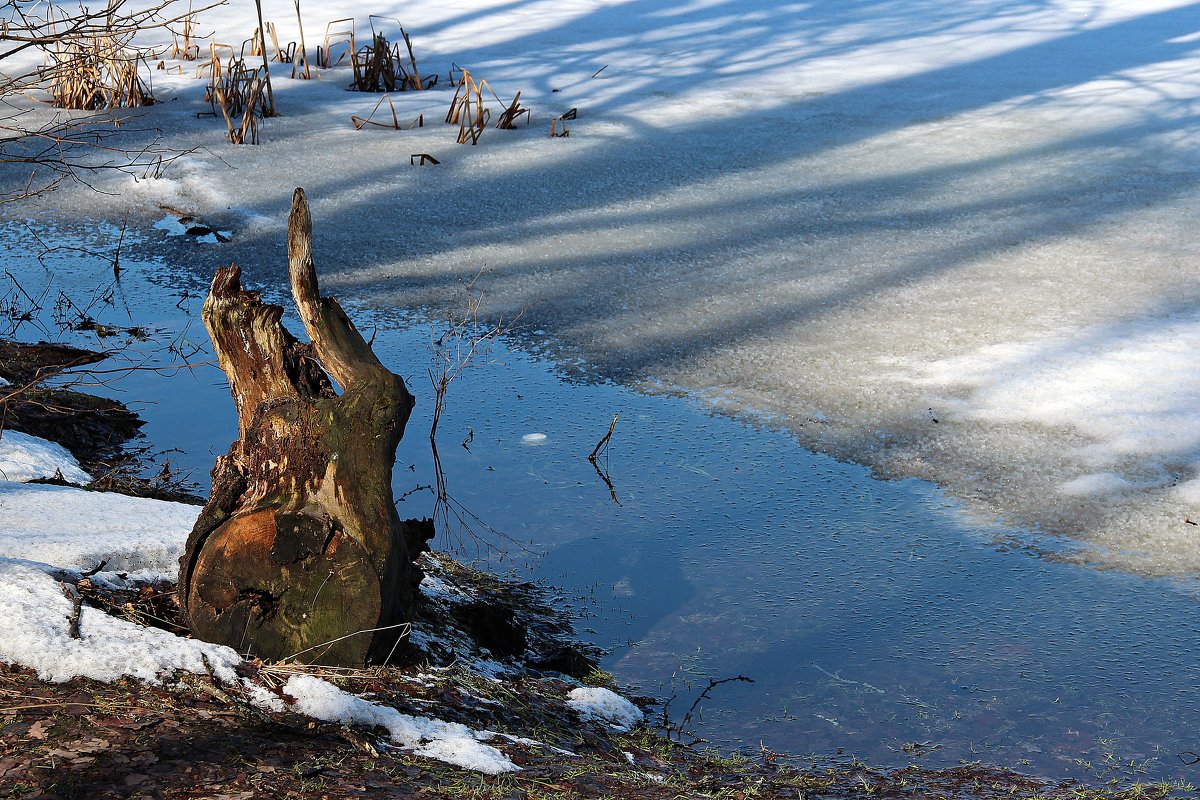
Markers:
point(604, 441)
point(347, 636)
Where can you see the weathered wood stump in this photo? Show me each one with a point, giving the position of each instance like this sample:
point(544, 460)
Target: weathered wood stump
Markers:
point(299, 553)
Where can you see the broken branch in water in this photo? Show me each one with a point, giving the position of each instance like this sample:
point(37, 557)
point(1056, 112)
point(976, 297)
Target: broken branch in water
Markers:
point(603, 443)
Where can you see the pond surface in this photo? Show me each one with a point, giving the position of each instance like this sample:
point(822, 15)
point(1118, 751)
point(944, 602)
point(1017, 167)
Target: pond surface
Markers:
point(873, 618)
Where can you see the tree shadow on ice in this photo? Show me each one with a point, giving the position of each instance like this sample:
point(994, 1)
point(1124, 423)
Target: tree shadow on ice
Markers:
point(595, 228)
point(656, 246)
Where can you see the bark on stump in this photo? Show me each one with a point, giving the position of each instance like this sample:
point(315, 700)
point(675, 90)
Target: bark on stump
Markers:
point(299, 553)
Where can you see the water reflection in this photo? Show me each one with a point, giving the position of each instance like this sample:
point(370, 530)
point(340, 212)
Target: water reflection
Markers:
point(870, 617)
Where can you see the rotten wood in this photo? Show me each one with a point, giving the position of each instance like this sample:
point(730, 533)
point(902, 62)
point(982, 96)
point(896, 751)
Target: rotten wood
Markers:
point(299, 552)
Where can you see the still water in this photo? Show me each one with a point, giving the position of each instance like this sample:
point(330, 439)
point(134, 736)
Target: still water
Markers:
point(873, 618)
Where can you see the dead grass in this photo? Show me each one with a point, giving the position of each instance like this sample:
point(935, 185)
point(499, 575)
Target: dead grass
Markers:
point(470, 113)
point(362, 122)
point(300, 55)
point(257, 44)
point(467, 110)
point(237, 91)
point(382, 67)
point(93, 73)
point(512, 113)
point(558, 125)
point(185, 49)
point(339, 35)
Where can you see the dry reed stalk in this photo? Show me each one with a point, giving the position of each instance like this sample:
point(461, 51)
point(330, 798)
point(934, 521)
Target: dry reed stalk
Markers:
point(283, 55)
point(561, 119)
point(188, 51)
point(335, 36)
point(467, 109)
point(257, 42)
point(239, 92)
point(214, 68)
point(266, 66)
point(508, 118)
point(412, 74)
point(301, 55)
point(246, 130)
point(275, 675)
point(380, 67)
point(96, 72)
point(375, 69)
point(360, 122)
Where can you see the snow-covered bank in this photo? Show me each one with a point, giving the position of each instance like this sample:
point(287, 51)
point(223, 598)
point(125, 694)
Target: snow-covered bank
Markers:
point(51, 535)
point(48, 530)
point(25, 458)
point(858, 219)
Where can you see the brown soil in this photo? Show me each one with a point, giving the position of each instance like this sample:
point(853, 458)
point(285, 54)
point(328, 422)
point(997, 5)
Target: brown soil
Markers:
point(97, 431)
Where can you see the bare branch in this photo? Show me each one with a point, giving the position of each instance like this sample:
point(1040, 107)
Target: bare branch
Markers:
point(91, 61)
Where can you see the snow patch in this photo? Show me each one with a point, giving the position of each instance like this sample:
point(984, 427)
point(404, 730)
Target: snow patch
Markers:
point(434, 587)
point(1134, 388)
point(65, 528)
point(605, 706)
point(36, 634)
point(450, 742)
point(1099, 483)
point(1187, 493)
point(47, 529)
point(26, 458)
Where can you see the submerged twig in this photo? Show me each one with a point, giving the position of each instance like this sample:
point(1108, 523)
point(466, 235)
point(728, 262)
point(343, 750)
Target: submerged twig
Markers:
point(680, 728)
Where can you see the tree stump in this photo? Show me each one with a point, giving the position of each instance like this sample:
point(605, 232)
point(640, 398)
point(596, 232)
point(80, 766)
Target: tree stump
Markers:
point(299, 553)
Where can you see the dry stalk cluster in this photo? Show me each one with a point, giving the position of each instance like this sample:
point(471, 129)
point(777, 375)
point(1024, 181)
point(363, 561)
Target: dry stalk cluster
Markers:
point(382, 67)
point(238, 91)
point(283, 54)
point(94, 72)
point(89, 62)
point(185, 49)
point(339, 36)
point(468, 111)
point(558, 125)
